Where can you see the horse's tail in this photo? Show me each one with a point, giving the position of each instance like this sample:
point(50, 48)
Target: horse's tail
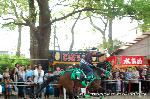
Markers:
point(45, 83)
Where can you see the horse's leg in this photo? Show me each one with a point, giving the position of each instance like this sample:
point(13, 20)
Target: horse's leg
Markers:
point(43, 85)
point(70, 91)
point(71, 96)
point(75, 92)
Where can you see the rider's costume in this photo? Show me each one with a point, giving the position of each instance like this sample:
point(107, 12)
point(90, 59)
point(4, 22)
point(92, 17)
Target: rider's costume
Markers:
point(106, 66)
point(86, 66)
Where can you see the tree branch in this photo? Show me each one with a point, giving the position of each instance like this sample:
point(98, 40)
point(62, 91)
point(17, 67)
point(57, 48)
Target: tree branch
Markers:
point(30, 24)
point(83, 18)
point(15, 23)
point(60, 3)
point(15, 10)
point(72, 31)
point(70, 14)
point(96, 27)
point(8, 19)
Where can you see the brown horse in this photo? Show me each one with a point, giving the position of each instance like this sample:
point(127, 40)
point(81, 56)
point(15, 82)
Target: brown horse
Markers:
point(70, 85)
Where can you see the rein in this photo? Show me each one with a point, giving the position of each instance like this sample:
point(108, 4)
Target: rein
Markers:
point(107, 73)
point(101, 69)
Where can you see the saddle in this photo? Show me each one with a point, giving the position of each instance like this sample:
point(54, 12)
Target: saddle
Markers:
point(78, 74)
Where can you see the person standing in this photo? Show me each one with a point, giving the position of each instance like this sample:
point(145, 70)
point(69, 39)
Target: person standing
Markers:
point(40, 79)
point(7, 86)
point(29, 72)
point(29, 87)
point(135, 80)
point(148, 80)
point(35, 74)
point(21, 80)
point(57, 90)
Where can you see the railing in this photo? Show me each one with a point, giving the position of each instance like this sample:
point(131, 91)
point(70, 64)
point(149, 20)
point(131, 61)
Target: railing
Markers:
point(23, 84)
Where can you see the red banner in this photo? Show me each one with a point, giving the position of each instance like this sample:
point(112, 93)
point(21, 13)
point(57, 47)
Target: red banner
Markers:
point(132, 60)
point(126, 60)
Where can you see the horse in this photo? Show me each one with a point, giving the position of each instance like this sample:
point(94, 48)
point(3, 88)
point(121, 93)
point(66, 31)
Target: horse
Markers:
point(69, 84)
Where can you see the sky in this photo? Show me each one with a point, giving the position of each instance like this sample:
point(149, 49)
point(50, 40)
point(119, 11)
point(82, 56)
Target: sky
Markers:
point(123, 30)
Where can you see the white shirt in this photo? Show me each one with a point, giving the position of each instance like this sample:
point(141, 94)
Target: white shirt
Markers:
point(35, 73)
point(40, 77)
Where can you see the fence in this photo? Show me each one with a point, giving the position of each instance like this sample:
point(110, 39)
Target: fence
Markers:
point(107, 83)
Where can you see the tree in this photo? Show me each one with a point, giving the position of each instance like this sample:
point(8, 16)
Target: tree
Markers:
point(102, 31)
point(110, 9)
point(11, 22)
point(72, 32)
point(139, 10)
point(10, 61)
point(116, 44)
point(40, 19)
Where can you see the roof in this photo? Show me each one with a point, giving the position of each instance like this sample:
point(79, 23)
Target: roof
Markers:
point(129, 44)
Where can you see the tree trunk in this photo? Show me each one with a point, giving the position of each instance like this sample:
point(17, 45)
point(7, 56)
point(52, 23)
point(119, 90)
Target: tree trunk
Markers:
point(110, 36)
point(40, 36)
point(33, 40)
point(104, 41)
point(72, 41)
point(72, 32)
point(43, 34)
point(19, 41)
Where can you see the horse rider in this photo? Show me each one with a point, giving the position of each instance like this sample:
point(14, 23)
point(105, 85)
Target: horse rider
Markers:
point(105, 65)
point(86, 66)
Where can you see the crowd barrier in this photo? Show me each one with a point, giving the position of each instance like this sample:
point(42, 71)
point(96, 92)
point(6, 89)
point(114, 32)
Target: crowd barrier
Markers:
point(106, 84)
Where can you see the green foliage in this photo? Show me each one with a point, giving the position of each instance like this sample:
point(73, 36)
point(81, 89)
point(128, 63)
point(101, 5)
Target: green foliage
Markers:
point(10, 61)
point(140, 11)
point(11, 11)
point(116, 44)
point(107, 8)
point(4, 62)
point(10, 26)
point(21, 60)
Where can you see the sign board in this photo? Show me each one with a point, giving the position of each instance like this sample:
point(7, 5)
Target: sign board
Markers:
point(132, 60)
point(68, 56)
point(127, 60)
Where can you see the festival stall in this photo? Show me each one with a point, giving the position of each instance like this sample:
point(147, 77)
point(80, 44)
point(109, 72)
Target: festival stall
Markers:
point(127, 61)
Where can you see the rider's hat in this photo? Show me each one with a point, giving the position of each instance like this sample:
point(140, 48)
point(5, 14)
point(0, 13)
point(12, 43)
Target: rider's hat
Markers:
point(100, 54)
point(92, 51)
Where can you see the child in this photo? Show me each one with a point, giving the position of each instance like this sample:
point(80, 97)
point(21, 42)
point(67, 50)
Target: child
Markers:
point(29, 87)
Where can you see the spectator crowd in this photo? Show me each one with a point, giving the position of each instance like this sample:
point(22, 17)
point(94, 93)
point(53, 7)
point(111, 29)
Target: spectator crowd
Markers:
point(21, 80)
point(127, 80)
point(24, 80)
